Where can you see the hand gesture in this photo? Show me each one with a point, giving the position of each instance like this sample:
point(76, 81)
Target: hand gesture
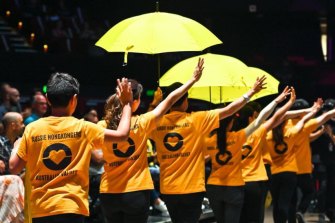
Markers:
point(259, 84)
point(158, 96)
point(124, 91)
point(283, 95)
point(198, 69)
point(293, 95)
point(317, 104)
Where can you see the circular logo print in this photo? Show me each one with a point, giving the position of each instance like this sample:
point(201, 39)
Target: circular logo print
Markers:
point(173, 141)
point(128, 153)
point(57, 156)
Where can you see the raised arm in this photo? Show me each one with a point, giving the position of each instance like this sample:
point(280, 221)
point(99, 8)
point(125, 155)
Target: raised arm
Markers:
point(158, 96)
point(315, 135)
point(175, 95)
point(239, 103)
point(322, 119)
point(300, 112)
point(125, 95)
point(277, 118)
point(300, 124)
point(266, 112)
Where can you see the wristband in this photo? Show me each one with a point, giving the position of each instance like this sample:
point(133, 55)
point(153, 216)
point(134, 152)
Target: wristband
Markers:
point(246, 97)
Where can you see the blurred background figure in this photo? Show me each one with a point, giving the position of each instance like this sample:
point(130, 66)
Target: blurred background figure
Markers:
point(39, 107)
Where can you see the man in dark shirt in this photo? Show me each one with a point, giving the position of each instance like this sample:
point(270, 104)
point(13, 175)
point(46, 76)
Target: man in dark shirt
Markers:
point(13, 128)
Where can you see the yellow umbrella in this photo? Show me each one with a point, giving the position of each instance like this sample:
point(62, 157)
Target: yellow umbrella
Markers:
point(224, 78)
point(271, 86)
point(157, 32)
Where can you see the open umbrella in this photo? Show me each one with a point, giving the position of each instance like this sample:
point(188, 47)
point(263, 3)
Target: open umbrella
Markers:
point(157, 32)
point(271, 86)
point(224, 78)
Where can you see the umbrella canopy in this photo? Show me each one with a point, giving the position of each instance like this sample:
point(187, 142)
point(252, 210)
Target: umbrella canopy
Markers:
point(157, 32)
point(224, 78)
point(271, 86)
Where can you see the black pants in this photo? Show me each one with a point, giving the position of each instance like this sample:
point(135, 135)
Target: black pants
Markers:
point(184, 208)
point(226, 202)
point(283, 186)
point(306, 185)
point(131, 207)
point(61, 218)
point(254, 202)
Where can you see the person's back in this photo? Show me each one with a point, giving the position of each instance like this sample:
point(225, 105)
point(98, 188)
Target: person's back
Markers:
point(58, 155)
point(57, 158)
point(179, 140)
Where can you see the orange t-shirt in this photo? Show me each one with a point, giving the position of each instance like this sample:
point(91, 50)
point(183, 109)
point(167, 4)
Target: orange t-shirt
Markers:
point(226, 168)
point(302, 147)
point(266, 154)
point(58, 152)
point(126, 167)
point(179, 144)
point(253, 168)
point(283, 156)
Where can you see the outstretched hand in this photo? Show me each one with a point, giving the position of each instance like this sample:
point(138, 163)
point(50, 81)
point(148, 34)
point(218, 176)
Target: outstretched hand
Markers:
point(124, 91)
point(158, 96)
point(198, 69)
point(283, 95)
point(259, 84)
point(317, 104)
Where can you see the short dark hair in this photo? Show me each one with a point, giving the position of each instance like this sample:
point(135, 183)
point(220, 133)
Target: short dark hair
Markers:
point(173, 87)
point(60, 89)
point(300, 104)
point(136, 88)
point(328, 104)
point(256, 106)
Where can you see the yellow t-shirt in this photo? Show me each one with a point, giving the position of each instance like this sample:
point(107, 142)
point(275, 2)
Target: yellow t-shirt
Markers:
point(283, 156)
point(302, 146)
point(58, 151)
point(253, 168)
point(226, 168)
point(266, 154)
point(126, 167)
point(179, 144)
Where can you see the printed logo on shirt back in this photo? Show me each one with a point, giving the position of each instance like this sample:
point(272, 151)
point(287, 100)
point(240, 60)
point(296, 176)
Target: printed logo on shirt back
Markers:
point(57, 156)
point(173, 141)
point(246, 150)
point(128, 153)
point(281, 148)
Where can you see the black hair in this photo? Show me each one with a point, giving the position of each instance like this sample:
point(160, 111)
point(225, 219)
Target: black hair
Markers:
point(242, 118)
point(256, 106)
point(328, 104)
point(171, 88)
point(222, 133)
point(136, 88)
point(278, 134)
point(300, 104)
point(60, 89)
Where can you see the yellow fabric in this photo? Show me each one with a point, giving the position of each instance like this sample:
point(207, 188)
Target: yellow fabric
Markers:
point(58, 151)
point(157, 32)
point(302, 147)
point(234, 80)
point(229, 173)
point(126, 167)
point(266, 154)
point(283, 157)
point(181, 158)
point(253, 168)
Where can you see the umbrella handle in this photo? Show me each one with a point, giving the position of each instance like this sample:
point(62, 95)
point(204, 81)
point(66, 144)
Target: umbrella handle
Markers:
point(157, 6)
